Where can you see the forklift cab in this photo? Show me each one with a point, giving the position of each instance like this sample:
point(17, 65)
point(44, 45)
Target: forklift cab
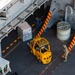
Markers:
point(4, 66)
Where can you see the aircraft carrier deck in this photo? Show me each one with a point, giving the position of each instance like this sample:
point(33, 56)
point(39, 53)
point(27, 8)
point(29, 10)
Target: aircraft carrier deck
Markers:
point(24, 63)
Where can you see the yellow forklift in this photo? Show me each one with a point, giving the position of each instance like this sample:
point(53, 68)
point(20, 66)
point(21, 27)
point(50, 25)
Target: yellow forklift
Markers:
point(40, 48)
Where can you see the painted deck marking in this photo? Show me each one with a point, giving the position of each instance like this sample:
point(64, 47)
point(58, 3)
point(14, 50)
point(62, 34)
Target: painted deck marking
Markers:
point(3, 51)
point(12, 49)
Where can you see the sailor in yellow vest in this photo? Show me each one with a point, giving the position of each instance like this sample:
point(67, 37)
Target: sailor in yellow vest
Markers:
point(65, 52)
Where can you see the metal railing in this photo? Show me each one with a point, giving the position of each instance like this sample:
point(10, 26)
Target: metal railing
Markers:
point(10, 27)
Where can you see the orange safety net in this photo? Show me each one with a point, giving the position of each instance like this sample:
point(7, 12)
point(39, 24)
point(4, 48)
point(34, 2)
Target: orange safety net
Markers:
point(45, 24)
point(70, 46)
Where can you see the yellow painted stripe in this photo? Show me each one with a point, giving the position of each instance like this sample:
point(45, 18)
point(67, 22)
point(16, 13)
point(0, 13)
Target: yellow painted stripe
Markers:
point(46, 22)
point(47, 19)
point(50, 12)
point(41, 30)
point(18, 37)
point(40, 33)
point(72, 43)
point(3, 51)
point(7, 47)
point(69, 48)
point(11, 44)
point(49, 15)
point(33, 25)
point(44, 26)
point(15, 41)
point(73, 40)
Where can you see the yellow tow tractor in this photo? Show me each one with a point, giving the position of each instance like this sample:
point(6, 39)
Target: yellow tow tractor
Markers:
point(40, 47)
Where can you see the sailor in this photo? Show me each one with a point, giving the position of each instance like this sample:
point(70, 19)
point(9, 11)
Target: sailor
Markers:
point(37, 22)
point(65, 52)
